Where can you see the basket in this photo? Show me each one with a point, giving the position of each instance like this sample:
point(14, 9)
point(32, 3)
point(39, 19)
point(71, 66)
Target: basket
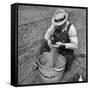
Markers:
point(48, 73)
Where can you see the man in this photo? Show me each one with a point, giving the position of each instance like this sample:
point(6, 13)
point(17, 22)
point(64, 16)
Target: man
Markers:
point(61, 35)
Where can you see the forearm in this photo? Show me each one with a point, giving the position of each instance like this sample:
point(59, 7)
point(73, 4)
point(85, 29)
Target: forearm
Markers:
point(47, 36)
point(71, 45)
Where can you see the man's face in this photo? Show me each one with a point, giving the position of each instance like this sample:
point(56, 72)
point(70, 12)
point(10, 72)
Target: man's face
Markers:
point(61, 26)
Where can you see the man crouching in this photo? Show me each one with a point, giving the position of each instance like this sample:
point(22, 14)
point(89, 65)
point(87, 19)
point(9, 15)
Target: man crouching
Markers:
point(61, 35)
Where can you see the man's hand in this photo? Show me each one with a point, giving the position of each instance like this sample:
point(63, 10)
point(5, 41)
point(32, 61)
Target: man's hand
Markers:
point(58, 44)
point(49, 43)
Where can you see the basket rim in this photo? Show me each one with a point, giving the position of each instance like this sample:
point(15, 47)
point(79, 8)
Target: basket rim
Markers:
point(43, 66)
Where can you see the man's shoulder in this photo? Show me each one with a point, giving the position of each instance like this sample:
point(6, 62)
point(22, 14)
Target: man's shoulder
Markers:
point(72, 30)
point(69, 26)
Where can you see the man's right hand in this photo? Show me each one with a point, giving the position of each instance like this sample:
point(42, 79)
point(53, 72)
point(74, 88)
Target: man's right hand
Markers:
point(49, 42)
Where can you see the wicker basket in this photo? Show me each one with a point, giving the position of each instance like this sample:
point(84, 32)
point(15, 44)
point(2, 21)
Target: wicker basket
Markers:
point(48, 73)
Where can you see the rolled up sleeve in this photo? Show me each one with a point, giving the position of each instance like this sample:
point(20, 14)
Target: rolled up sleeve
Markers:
point(73, 38)
point(49, 33)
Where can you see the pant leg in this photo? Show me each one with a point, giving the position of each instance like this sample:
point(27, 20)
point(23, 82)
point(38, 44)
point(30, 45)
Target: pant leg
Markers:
point(44, 46)
point(69, 55)
point(69, 60)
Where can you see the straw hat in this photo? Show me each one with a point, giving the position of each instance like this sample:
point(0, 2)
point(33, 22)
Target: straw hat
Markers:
point(60, 17)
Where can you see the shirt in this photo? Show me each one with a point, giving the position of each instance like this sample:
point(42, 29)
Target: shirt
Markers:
point(72, 35)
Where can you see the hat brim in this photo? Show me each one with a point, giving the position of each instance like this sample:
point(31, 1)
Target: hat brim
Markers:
point(59, 23)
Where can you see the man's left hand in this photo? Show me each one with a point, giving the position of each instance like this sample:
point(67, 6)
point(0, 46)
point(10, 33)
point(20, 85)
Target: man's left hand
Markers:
point(58, 44)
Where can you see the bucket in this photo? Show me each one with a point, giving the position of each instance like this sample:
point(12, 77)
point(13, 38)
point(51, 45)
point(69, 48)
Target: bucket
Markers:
point(48, 73)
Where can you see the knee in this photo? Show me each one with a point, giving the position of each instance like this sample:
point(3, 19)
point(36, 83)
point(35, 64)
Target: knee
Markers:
point(44, 46)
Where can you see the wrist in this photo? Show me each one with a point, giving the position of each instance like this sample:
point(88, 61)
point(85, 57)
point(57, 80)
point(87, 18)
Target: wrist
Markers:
point(64, 44)
point(49, 40)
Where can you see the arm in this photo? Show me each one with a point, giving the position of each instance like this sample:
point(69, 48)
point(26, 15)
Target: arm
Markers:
point(49, 33)
point(73, 38)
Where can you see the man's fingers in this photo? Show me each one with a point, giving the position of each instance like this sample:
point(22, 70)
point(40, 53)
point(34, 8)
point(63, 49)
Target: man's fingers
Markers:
point(55, 45)
point(58, 43)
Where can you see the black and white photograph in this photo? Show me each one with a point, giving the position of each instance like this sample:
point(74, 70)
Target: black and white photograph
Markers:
point(51, 44)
